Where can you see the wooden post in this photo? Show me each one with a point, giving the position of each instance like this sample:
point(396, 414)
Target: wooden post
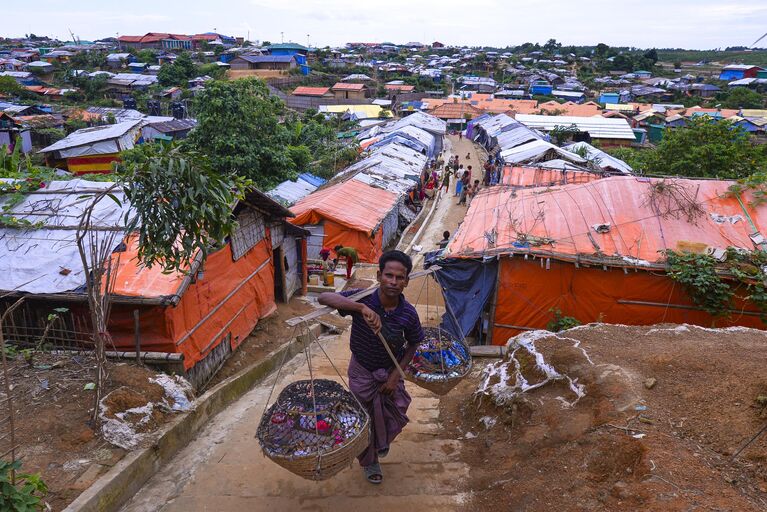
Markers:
point(137, 335)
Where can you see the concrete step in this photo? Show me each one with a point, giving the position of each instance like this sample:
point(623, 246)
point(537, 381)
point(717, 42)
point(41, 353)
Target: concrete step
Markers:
point(379, 503)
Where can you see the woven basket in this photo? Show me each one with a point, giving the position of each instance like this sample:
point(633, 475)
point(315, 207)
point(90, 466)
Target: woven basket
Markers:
point(440, 383)
point(288, 430)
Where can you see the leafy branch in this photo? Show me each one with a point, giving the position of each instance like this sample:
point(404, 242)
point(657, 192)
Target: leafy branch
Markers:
point(179, 205)
point(712, 284)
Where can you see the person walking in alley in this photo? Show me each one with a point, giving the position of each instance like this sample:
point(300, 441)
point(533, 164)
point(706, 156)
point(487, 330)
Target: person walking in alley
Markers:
point(495, 177)
point(465, 186)
point(473, 189)
point(445, 180)
point(458, 181)
point(373, 378)
point(350, 253)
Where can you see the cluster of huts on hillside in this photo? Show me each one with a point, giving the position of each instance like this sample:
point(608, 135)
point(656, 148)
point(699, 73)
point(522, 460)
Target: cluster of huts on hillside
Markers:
point(366, 205)
point(572, 231)
point(188, 320)
point(526, 141)
point(192, 320)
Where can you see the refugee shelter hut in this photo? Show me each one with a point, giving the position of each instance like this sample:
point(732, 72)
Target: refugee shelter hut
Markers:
point(600, 159)
point(93, 150)
point(13, 132)
point(547, 174)
point(194, 318)
point(350, 214)
point(538, 151)
point(168, 129)
point(608, 131)
point(595, 251)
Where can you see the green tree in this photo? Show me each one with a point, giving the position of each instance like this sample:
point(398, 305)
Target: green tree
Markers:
point(213, 70)
point(87, 60)
point(90, 88)
point(742, 97)
point(147, 56)
point(552, 45)
point(177, 72)
point(9, 86)
point(238, 128)
point(651, 55)
point(601, 50)
point(704, 148)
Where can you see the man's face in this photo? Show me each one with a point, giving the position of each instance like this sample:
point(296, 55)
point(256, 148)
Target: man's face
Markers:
point(393, 278)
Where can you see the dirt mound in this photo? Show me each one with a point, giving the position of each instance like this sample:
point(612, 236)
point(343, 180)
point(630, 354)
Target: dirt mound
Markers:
point(605, 417)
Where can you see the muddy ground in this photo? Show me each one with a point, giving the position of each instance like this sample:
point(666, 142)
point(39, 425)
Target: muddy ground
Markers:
point(52, 416)
point(629, 443)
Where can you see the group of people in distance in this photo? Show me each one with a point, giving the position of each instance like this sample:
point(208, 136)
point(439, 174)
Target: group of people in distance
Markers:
point(465, 187)
point(432, 182)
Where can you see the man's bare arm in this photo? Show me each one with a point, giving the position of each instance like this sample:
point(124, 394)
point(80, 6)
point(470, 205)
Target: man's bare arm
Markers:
point(338, 301)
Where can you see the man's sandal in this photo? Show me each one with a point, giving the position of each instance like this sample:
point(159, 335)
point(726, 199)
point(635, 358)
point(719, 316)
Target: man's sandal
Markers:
point(383, 453)
point(373, 473)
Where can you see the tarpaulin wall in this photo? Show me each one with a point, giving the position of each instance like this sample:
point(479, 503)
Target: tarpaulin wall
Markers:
point(527, 291)
point(99, 164)
point(230, 298)
point(466, 285)
point(368, 248)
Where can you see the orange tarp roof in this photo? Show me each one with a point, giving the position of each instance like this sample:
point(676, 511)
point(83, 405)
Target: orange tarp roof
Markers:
point(541, 177)
point(133, 280)
point(311, 91)
point(455, 111)
point(571, 109)
point(486, 103)
point(559, 222)
point(352, 204)
point(340, 86)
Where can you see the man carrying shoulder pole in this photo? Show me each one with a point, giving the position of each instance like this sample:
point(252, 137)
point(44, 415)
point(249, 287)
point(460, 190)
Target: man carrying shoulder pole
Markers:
point(373, 376)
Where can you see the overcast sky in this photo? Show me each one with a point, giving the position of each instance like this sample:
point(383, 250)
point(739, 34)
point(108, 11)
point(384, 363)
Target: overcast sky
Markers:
point(701, 24)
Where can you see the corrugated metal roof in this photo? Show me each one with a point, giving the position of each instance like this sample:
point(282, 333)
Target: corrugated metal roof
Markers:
point(518, 134)
point(538, 151)
point(93, 135)
point(600, 158)
point(420, 120)
point(753, 112)
point(493, 126)
point(310, 91)
point(120, 114)
point(598, 127)
point(348, 87)
point(174, 125)
point(740, 67)
point(291, 192)
point(259, 59)
point(620, 107)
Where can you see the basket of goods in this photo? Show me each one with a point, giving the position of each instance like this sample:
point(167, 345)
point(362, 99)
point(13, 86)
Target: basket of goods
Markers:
point(440, 362)
point(314, 429)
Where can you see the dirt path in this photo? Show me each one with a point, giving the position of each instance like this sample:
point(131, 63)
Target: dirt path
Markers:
point(448, 214)
point(225, 470)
